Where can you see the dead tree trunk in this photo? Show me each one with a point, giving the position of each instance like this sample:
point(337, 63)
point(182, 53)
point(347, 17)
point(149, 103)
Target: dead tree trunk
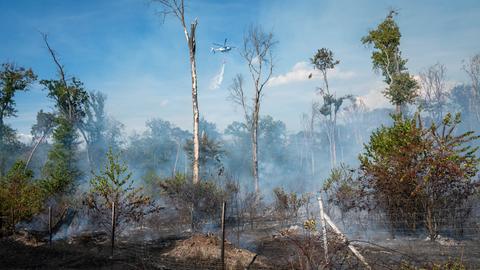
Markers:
point(255, 143)
point(177, 8)
point(345, 240)
point(34, 149)
point(257, 51)
point(196, 141)
point(324, 228)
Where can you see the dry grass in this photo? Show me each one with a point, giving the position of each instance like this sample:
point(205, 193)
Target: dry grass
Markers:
point(209, 247)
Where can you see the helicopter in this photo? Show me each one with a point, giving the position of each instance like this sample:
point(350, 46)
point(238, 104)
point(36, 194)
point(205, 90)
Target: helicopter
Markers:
point(222, 48)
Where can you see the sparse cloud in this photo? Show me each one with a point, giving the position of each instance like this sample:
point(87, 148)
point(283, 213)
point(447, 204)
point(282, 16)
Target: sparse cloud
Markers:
point(301, 71)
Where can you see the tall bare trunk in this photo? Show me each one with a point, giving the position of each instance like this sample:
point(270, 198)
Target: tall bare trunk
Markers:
point(334, 141)
point(255, 144)
point(312, 152)
point(196, 141)
point(334, 153)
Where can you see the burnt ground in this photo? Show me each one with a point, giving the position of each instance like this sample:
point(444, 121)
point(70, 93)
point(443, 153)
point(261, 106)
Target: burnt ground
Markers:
point(274, 252)
point(90, 254)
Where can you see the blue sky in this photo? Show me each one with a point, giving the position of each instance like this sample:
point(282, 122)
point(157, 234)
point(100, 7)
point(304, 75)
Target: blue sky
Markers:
point(124, 49)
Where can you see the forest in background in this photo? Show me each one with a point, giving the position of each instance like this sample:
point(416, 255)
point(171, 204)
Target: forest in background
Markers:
point(416, 163)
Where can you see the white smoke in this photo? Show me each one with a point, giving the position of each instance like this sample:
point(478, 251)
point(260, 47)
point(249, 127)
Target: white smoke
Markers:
point(218, 79)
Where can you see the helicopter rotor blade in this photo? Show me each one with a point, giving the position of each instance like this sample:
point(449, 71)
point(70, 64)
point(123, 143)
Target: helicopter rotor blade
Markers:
point(216, 44)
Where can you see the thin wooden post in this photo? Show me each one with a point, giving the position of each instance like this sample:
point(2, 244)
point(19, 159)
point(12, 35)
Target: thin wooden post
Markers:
point(324, 227)
point(50, 225)
point(222, 255)
point(113, 226)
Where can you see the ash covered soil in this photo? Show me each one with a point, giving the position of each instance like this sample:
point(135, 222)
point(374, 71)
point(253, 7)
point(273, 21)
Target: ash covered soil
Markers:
point(202, 251)
point(87, 252)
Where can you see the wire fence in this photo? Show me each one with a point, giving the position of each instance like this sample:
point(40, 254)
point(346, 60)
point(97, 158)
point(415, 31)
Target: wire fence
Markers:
point(267, 233)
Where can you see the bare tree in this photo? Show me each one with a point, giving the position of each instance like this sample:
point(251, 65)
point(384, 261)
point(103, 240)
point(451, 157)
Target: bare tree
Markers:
point(308, 121)
point(434, 95)
point(257, 52)
point(323, 61)
point(472, 68)
point(354, 117)
point(177, 8)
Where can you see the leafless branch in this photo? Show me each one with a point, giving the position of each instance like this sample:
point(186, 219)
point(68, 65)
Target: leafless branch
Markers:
point(257, 51)
point(60, 67)
point(237, 96)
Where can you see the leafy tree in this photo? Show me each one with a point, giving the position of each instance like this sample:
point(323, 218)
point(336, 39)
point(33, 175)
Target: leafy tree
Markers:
point(70, 100)
point(61, 171)
point(386, 57)
point(11, 148)
point(93, 128)
point(287, 205)
point(273, 134)
point(69, 95)
point(211, 154)
point(342, 188)
point(159, 148)
point(237, 149)
point(13, 79)
point(419, 176)
point(21, 197)
point(114, 134)
point(273, 143)
point(205, 196)
point(114, 185)
point(323, 60)
point(151, 181)
point(99, 131)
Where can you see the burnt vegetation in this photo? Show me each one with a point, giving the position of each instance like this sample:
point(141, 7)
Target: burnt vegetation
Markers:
point(402, 190)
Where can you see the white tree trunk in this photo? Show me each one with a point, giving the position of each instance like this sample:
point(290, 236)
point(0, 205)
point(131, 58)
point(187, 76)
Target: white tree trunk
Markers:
point(196, 141)
point(190, 37)
point(33, 150)
point(324, 228)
